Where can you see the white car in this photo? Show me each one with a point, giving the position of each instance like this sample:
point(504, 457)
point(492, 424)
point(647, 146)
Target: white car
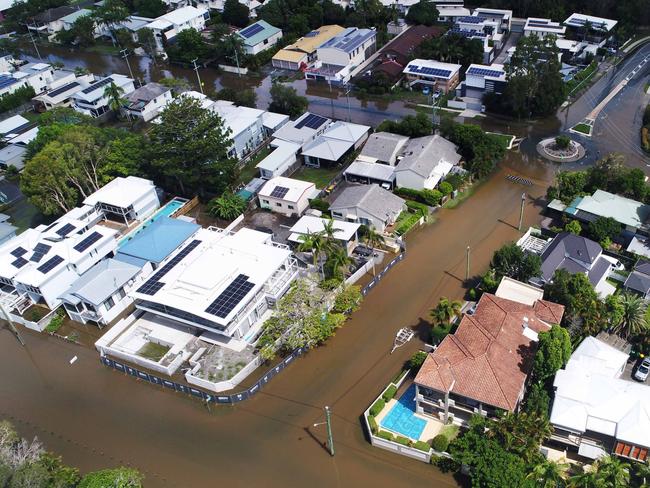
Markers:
point(643, 370)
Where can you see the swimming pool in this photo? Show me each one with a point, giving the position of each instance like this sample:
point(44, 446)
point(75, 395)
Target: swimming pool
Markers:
point(169, 208)
point(401, 418)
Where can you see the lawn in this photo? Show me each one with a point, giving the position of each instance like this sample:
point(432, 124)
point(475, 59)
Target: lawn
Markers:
point(582, 128)
point(450, 431)
point(318, 176)
point(153, 351)
point(504, 139)
point(581, 77)
point(405, 222)
point(249, 171)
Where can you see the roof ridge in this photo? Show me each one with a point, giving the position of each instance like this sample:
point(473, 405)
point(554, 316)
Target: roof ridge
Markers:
point(497, 380)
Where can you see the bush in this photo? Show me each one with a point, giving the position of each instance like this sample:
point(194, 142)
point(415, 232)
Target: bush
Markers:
point(406, 222)
point(417, 207)
point(472, 294)
point(440, 443)
point(372, 422)
point(431, 197)
point(417, 359)
point(422, 446)
point(399, 376)
point(405, 441)
point(377, 407)
point(456, 180)
point(55, 323)
point(330, 284)
point(562, 141)
point(389, 393)
point(385, 435)
point(445, 188)
point(320, 204)
point(14, 100)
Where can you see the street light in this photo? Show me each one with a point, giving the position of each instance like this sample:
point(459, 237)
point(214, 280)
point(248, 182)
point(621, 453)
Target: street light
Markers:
point(328, 422)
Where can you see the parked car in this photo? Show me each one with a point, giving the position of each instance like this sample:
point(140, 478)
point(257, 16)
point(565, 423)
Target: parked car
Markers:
point(643, 370)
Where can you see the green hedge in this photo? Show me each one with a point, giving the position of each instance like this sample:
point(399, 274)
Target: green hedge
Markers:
point(422, 446)
point(385, 435)
point(377, 407)
point(55, 322)
point(399, 376)
point(417, 207)
point(405, 441)
point(428, 197)
point(405, 222)
point(440, 443)
point(389, 393)
point(372, 422)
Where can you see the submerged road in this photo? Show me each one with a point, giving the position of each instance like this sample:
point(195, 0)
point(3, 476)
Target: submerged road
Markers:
point(96, 417)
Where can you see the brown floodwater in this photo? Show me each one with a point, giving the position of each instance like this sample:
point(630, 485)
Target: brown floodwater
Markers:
point(96, 417)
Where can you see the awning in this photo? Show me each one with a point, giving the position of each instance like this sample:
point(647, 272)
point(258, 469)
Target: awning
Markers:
point(591, 451)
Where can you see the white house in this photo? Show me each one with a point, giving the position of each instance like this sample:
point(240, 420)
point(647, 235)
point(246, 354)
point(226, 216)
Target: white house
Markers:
point(425, 72)
point(339, 139)
point(368, 205)
point(286, 195)
point(148, 101)
point(259, 37)
point(12, 155)
point(367, 173)
point(102, 293)
point(126, 199)
point(502, 18)
point(12, 126)
point(543, 27)
point(303, 130)
point(481, 79)
point(282, 160)
point(168, 25)
point(339, 56)
point(302, 53)
point(92, 101)
point(346, 233)
point(61, 96)
point(37, 75)
point(595, 411)
point(246, 125)
point(50, 21)
point(425, 162)
point(589, 29)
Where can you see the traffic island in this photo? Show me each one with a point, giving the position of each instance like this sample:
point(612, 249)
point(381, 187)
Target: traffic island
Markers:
point(561, 149)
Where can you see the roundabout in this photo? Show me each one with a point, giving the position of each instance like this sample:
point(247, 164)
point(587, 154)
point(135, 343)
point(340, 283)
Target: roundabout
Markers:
point(561, 149)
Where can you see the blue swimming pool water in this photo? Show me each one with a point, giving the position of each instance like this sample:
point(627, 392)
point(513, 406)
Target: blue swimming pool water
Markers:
point(165, 211)
point(402, 419)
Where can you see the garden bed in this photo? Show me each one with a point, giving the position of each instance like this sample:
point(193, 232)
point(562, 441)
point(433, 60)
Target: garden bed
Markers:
point(153, 351)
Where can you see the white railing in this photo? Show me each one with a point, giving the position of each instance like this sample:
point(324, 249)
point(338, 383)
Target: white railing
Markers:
point(225, 385)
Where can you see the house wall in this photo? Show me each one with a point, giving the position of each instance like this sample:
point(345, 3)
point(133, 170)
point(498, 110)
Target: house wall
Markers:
point(284, 206)
point(248, 139)
point(282, 168)
point(409, 179)
point(264, 45)
point(153, 108)
point(361, 217)
point(97, 107)
point(443, 84)
point(52, 289)
point(289, 65)
point(197, 23)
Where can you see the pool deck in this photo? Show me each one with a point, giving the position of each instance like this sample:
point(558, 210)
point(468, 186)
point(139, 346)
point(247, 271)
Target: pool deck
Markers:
point(431, 429)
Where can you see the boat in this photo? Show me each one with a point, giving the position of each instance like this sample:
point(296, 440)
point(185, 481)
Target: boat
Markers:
point(402, 337)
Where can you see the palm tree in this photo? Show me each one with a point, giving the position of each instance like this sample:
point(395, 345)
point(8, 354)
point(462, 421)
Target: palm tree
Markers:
point(314, 242)
point(328, 229)
point(611, 472)
point(642, 470)
point(549, 474)
point(228, 206)
point(586, 479)
point(633, 321)
point(445, 311)
point(373, 239)
point(338, 258)
point(116, 100)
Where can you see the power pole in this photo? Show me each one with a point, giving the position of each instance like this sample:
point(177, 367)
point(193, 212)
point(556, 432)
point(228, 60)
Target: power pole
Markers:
point(347, 95)
point(12, 326)
point(125, 55)
point(467, 267)
point(521, 213)
point(33, 42)
point(330, 439)
point(196, 69)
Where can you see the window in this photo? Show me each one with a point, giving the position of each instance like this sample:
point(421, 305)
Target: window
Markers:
point(278, 204)
point(109, 303)
point(121, 293)
point(290, 207)
point(337, 214)
point(265, 202)
point(266, 41)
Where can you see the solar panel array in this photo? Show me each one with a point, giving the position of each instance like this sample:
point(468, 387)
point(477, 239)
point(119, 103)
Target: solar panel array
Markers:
point(50, 264)
point(6, 81)
point(19, 251)
point(19, 263)
point(96, 85)
point(279, 191)
point(312, 121)
point(39, 251)
point(538, 22)
point(153, 284)
point(251, 31)
point(484, 72)
point(63, 89)
point(465, 33)
point(65, 230)
point(87, 242)
point(313, 33)
point(423, 70)
point(230, 297)
point(470, 20)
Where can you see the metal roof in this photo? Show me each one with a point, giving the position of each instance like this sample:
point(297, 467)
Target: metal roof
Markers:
point(350, 39)
point(101, 281)
point(257, 32)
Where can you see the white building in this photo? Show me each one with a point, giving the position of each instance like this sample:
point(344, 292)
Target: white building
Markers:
point(597, 412)
point(543, 27)
point(282, 160)
point(126, 199)
point(37, 75)
point(168, 25)
point(339, 56)
point(92, 101)
point(368, 205)
point(425, 162)
point(61, 96)
point(338, 140)
point(12, 155)
point(481, 79)
point(246, 125)
point(259, 37)
point(425, 72)
point(589, 29)
point(502, 18)
point(383, 148)
point(148, 101)
point(303, 130)
point(287, 195)
point(13, 126)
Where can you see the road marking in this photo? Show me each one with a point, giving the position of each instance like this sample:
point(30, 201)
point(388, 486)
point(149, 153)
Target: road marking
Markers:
point(73, 360)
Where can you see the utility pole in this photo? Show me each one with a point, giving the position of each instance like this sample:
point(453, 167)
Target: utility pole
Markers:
point(125, 55)
point(196, 69)
point(347, 95)
point(467, 267)
point(31, 38)
point(12, 326)
point(521, 213)
point(328, 423)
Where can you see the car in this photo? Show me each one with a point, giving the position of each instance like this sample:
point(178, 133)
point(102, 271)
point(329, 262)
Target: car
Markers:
point(643, 370)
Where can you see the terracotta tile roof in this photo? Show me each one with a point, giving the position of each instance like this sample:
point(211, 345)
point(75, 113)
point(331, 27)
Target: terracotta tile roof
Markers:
point(488, 357)
point(403, 46)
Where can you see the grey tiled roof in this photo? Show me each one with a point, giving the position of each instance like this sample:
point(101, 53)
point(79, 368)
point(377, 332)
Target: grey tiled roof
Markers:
point(384, 146)
point(570, 252)
point(638, 281)
point(371, 198)
point(147, 92)
point(423, 154)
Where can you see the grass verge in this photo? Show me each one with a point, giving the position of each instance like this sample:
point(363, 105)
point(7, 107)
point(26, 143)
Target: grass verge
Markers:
point(582, 128)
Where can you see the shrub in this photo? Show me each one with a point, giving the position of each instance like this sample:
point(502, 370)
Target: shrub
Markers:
point(14, 100)
point(399, 376)
point(472, 294)
point(320, 204)
point(372, 422)
point(417, 359)
point(422, 446)
point(455, 180)
point(377, 407)
point(417, 207)
point(405, 441)
point(431, 197)
point(385, 435)
point(55, 322)
point(405, 223)
point(445, 188)
point(645, 139)
point(440, 443)
point(389, 393)
point(562, 141)
point(330, 284)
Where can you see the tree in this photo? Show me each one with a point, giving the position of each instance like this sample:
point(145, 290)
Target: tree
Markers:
point(110, 13)
point(610, 471)
point(337, 259)
point(315, 243)
point(481, 151)
point(228, 206)
point(579, 298)
point(188, 46)
point(632, 320)
point(537, 401)
point(348, 300)
point(412, 126)
point(521, 434)
point(285, 100)
point(452, 47)
point(124, 38)
point(189, 149)
point(150, 8)
point(243, 98)
point(445, 188)
point(147, 41)
point(82, 32)
point(115, 96)
point(573, 227)
point(329, 231)
point(230, 49)
point(371, 237)
point(114, 478)
point(604, 229)
point(615, 310)
point(553, 352)
point(549, 474)
point(446, 311)
point(513, 262)
point(562, 141)
point(424, 12)
point(235, 13)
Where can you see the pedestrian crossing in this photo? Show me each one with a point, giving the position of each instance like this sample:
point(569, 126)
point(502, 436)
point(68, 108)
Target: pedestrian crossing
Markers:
point(520, 180)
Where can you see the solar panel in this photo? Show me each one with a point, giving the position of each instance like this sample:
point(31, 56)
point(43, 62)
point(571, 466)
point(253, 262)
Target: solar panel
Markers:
point(470, 20)
point(279, 191)
point(150, 287)
point(153, 284)
point(19, 251)
point(484, 72)
point(6, 81)
point(63, 89)
point(65, 230)
point(250, 31)
point(50, 264)
point(19, 263)
point(230, 297)
point(39, 251)
point(438, 72)
point(313, 33)
point(88, 241)
point(96, 85)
